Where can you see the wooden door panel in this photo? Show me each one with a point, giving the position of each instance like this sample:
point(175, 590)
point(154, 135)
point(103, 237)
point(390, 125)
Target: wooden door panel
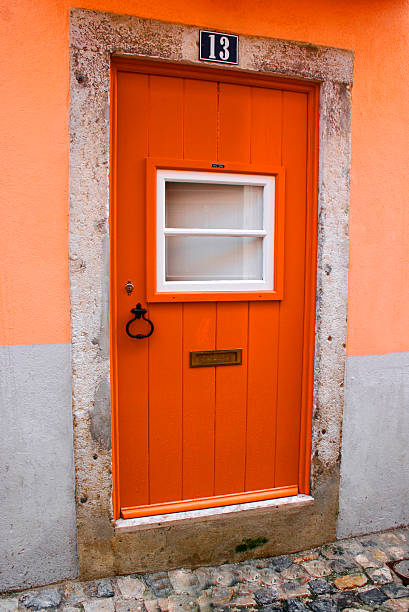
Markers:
point(231, 400)
point(200, 119)
point(165, 135)
point(165, 404)
point(199, 320)
point(232, 318)
point(132, 358)
point(294, 147)
point(234, 123)
point(193, 433)
point(199, 333)
point(266, 117)
point(264, 318)
point(165, 124)
point(262, 395)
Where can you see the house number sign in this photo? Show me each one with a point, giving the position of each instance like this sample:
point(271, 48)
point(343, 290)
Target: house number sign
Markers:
point(218, 47)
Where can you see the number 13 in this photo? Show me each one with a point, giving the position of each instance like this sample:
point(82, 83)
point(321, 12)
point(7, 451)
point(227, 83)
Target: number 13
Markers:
point(224, 41)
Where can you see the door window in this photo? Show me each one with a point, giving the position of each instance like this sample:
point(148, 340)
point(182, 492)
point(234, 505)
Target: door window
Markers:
point(215, 231)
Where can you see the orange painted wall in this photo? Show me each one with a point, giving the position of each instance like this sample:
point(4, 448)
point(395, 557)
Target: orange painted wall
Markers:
point(34, 101)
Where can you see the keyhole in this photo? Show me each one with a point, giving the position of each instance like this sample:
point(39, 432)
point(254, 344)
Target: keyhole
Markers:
point(129, 287)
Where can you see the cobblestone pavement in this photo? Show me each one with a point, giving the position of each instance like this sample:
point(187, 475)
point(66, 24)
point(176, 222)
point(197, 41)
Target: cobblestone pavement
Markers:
point(346, 575)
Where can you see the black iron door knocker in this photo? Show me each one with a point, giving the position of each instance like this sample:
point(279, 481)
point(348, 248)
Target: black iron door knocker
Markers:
point(138, 313)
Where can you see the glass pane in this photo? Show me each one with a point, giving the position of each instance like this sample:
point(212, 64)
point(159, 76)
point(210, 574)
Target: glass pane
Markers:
point(209, 258)
point(214, 206)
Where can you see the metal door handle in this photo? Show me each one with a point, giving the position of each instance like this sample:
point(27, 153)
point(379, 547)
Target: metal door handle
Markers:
point(139, 312)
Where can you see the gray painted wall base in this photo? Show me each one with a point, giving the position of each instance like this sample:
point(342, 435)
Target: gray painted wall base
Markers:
point(374, 491)
point(37, 517)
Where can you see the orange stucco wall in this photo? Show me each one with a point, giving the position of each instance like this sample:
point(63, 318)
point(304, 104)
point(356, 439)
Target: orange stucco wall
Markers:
point(34, 100)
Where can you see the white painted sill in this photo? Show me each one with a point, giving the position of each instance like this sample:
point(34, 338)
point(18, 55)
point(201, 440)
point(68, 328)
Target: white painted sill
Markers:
point(152, 522)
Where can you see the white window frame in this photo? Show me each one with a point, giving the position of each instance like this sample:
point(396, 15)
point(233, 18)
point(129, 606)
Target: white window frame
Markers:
point(266, 233)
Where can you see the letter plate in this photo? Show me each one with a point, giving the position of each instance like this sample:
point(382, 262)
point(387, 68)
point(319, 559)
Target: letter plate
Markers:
point(203, 359)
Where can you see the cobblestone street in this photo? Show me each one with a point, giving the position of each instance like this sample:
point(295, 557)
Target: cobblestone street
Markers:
point(347, 574)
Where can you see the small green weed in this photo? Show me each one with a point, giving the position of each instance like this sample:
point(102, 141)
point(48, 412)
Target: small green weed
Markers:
point(250, 543)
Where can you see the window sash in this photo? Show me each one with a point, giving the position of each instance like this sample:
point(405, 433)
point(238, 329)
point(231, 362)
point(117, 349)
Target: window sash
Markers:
point(163, 285)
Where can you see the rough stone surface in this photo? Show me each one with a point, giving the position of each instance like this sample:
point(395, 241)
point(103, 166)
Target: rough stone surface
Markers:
point(332, 552)
point(353, 546)
point(130, 587)
point(226, 575)
point(102, 550)
point(9, 605)
point(372, 557)
point(74, 593)
point(221, 596)
point(340, 566)
point(322, 604)
point(317, 568)
point(266, 595)
point(345, 599)
point(279, 564)
point(236, 587)
point(106, 605)
point(289, 590)
point(184, 581)
point(105, 589)
point(381, 575)
point(159, 583)
point(295, 572)
point(372, 597)
point(296, 605)
point(130, 605)
point(395, 591)
point(307, 556)
point(350, 582)
point(320, 586)
point(400, 605)
point(42, 600)
point(244, 600)
point(269, 577)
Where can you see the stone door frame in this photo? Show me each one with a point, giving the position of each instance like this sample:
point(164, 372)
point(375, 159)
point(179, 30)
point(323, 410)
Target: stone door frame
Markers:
point(103, 548)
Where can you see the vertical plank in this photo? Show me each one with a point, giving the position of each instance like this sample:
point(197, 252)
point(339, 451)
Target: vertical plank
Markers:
point(165, 403)
point(165, 117)
point(232, 318)
point(199, 320)
point(132, 356)
point(266, 126)
point(292, 306)
point(263, 317)
point(199, 326)
point(200, 120)
point(262, 395)
point(235, 123)
point(165, 346)
point(231, 392)
point(310, 293)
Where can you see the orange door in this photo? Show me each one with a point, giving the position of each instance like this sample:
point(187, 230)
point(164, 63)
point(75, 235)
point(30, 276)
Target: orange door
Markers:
point(188, 437)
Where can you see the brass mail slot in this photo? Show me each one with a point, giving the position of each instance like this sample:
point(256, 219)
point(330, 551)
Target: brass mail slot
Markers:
point(203, 359)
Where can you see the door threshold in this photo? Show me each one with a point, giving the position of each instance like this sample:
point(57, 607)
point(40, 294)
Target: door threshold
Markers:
point(208, 502)
point(159, 520)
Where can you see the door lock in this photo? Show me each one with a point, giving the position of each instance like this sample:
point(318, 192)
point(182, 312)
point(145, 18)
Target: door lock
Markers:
point(129, 287)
